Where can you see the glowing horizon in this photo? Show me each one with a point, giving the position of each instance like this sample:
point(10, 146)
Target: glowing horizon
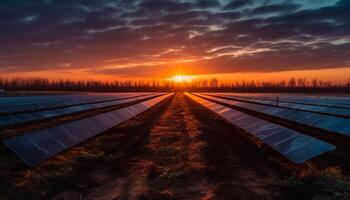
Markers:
point(340, 75)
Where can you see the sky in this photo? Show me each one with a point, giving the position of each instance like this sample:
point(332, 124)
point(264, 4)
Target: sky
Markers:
point(229, 39)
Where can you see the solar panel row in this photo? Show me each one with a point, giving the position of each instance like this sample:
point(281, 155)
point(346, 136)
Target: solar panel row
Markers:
point(320, 109)
point(27, 104)
point(335, 102)
point(25, 99)
point(331, 101)
point(296, 146)
point(36, 147)
point(6, 120)
point(23, 104)
point(328, 123)
point(342, 101)
point(303, 97)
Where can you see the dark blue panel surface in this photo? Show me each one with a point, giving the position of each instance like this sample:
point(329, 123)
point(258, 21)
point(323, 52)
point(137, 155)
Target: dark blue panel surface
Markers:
point(38, 146)
point(294, 145)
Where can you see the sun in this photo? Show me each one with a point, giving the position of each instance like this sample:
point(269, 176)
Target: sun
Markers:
point(178, 78)
point(181, 78)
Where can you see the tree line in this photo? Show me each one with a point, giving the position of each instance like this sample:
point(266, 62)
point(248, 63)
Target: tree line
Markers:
point(211, 84)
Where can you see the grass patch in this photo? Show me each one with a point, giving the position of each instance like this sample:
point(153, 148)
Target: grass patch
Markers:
point(327, 185)
point(167, 152)
point(172, 174)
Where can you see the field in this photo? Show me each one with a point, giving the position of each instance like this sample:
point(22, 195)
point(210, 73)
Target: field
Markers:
point(174, 146)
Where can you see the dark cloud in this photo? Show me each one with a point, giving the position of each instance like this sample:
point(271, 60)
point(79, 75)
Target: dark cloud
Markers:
point(208, 3)
point(228, 15)
point(130, 37)
point(168, 6)
point(180, 18)
point(276, 8)
point(236, 4)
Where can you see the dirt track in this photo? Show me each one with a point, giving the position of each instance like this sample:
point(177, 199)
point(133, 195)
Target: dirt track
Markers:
point(177, 150)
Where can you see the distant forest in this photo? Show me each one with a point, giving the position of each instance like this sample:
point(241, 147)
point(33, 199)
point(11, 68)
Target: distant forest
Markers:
point(209, 85)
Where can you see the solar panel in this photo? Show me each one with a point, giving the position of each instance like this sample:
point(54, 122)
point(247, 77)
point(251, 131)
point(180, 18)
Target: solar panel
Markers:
point(26, 149)
point(313, 108)
point(343, 102)
point(39, 146)
point(294, 145)
point(28, 104)
point(333, 102)
point(329, 123)
point(6, 120)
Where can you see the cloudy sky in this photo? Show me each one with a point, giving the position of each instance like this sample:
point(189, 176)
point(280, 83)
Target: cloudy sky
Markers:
point(161, 38)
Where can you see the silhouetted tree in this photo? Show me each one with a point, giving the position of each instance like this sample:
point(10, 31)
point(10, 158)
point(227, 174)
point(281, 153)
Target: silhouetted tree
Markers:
point(314, 83)
point(292, 82)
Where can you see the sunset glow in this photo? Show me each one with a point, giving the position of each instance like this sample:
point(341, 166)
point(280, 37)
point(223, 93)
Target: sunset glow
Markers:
point(182, 78)
point(155, 39)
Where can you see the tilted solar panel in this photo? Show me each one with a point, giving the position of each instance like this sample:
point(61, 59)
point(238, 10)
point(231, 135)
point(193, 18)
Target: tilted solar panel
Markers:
point(28, 104)
point(329, 123)
point(296, 146)
point(38, 146)
point(335, 102)
point(6, 120)
point(313, 108)
point(344, 102)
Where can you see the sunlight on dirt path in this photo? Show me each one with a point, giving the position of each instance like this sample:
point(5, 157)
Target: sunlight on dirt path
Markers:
point(187, 158)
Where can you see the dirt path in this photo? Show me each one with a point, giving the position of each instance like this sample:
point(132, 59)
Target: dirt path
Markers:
point(190, 156)
point(176, 150)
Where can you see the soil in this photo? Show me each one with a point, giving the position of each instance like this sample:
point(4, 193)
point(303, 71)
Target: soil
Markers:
point(176, 150)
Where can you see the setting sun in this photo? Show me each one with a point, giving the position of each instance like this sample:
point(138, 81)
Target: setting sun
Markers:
point(182, 78)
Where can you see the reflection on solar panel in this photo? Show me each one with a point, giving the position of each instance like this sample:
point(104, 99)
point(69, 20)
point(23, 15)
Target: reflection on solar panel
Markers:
point(329, 123)
point(295, 146)
point(38, 146)
point(312, 108)
point(22, 104)
point(6, 120)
